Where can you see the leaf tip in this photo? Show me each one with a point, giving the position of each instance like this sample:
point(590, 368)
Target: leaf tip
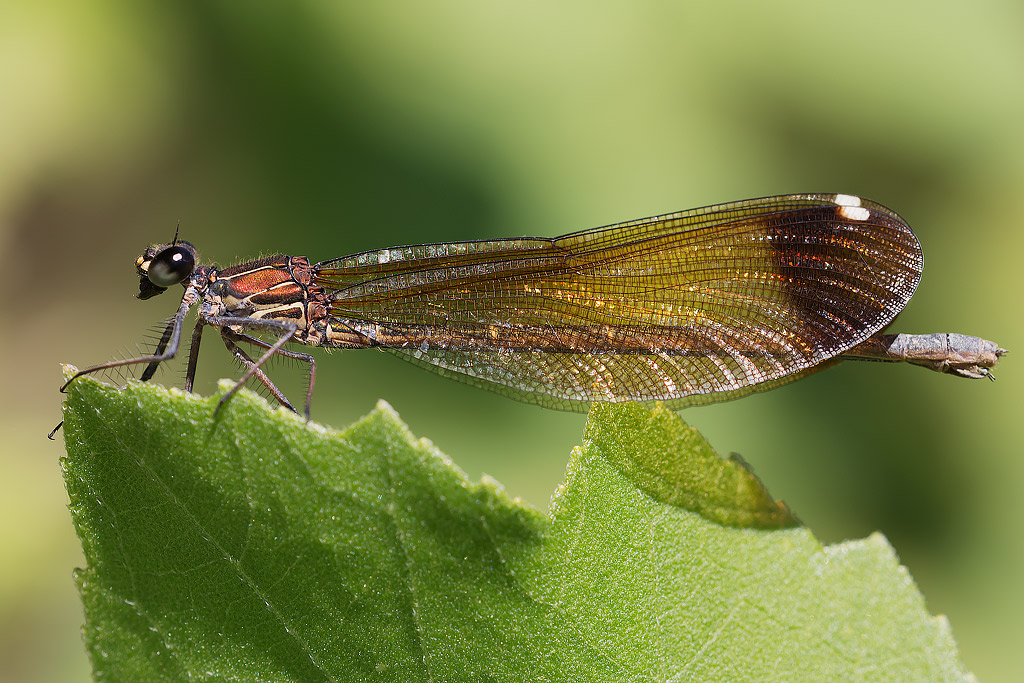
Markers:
point(386, 408)
point(68, 370)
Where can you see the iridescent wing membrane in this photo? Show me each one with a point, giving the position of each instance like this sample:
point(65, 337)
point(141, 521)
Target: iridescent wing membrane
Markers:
point(687, 308)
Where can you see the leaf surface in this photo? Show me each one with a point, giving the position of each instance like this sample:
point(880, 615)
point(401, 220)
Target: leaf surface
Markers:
point(254, 547)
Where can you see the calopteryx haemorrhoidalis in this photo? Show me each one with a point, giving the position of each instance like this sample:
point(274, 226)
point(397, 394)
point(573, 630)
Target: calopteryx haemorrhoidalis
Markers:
point(687, 308)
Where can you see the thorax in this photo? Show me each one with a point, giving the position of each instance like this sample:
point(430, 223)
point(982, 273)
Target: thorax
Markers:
point(277, 287)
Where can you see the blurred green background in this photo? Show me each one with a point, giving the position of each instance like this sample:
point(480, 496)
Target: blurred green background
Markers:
point(327, 128)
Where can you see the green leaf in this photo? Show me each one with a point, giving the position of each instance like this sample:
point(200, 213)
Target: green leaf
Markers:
point(254, 547)
point(673, 463)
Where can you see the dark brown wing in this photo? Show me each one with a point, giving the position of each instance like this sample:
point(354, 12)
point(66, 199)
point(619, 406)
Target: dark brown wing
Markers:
point(691, 307)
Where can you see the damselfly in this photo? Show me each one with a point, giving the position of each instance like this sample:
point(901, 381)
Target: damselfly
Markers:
point(688, 308)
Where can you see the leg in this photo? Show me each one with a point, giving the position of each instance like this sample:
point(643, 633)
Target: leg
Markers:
point(166, 349)
point(161, 346)
point(193, 354)
point(229, 339)
point(285, 329)
point(304, 357)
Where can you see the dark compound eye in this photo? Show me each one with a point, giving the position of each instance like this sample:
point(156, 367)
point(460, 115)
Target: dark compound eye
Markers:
point(171, 266)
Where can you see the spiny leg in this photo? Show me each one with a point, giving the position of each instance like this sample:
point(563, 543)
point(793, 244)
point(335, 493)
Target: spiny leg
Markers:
point(193, 354)
point(229, 339)
point(304, 357)
point(167, 348)
point(286, 330)
point(161, 346)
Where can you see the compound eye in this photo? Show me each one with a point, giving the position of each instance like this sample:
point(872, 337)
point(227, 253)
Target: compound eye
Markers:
point(171, 266)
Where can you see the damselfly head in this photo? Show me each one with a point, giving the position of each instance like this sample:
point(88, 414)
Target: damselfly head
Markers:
point(163, 266)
